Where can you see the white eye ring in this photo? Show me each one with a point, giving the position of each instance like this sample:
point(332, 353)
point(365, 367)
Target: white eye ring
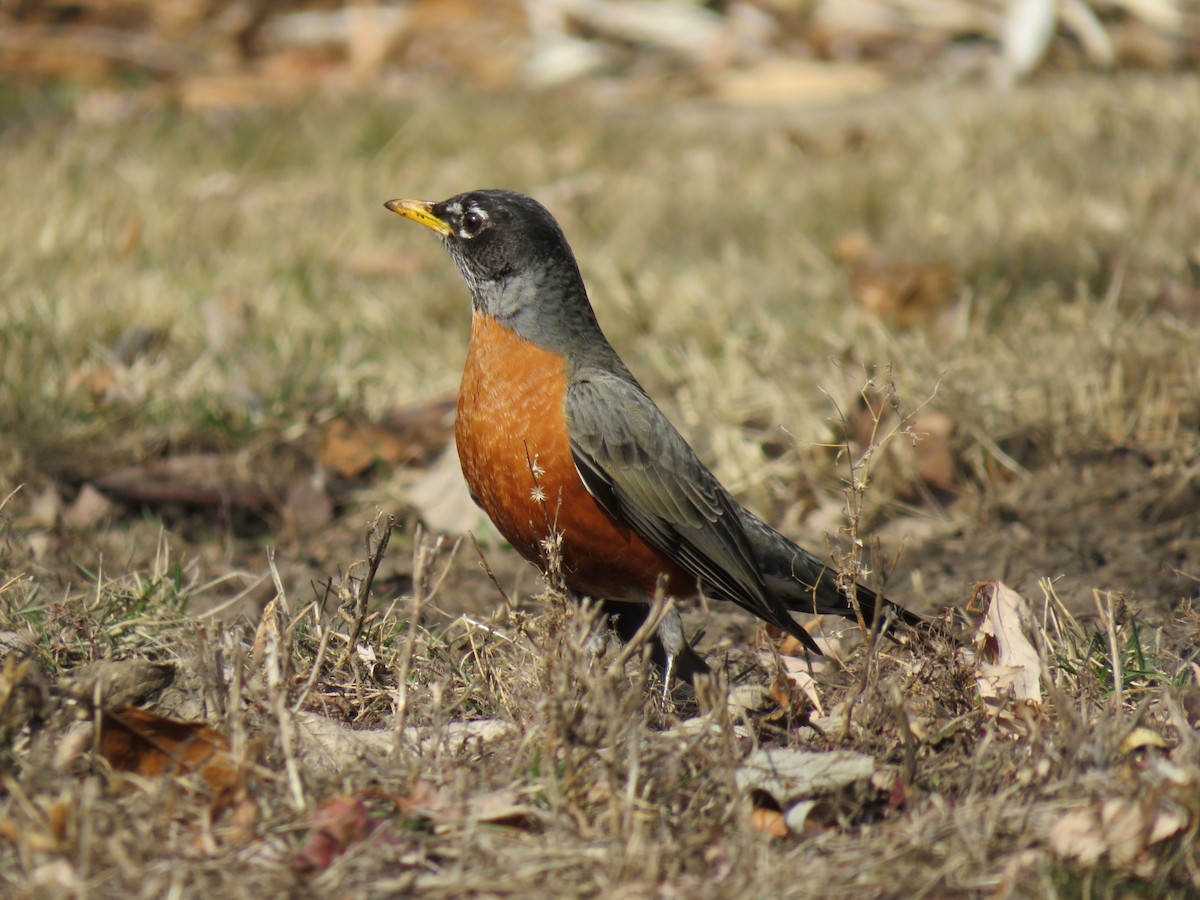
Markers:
point(473, 222)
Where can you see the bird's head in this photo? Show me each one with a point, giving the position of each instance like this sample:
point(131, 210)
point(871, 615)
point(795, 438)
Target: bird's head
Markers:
point(493, 236)
point(517, 264)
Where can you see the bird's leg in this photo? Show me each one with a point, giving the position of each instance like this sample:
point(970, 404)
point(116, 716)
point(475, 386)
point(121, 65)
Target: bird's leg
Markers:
point(670, 637)
point(669, 651)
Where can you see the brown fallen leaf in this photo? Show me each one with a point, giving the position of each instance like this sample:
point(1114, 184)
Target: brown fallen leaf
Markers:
point(427, 801)
point(923, 458)
point(906, 293)
point(408, 436)
point(794, 689)
point(143, 743)
point(934, 448)
point(769, 822)
point(351, 448)
point(1121, 827)
point(1008, 668)
point(499, 807)
point(338, 825)
point(790, 81)
point(779, 641)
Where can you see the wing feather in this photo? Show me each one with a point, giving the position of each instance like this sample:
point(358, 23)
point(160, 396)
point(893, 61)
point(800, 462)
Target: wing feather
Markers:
point(641, 471)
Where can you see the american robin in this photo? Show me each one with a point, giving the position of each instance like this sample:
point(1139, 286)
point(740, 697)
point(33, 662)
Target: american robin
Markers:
point(555, 435)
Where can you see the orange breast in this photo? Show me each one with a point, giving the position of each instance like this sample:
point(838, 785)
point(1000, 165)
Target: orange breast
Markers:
point(513, 445)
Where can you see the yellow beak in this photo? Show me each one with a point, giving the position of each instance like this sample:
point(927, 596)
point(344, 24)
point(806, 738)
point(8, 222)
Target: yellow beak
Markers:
point(420, 211)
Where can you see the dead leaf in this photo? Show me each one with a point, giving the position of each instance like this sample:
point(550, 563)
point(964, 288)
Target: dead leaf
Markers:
point(143, 743)
point(903, 292)
point(1076, 835)
point(796, 818)
point(113, 684)
point(922, 457)
point(329, 746)
point(786, 644)
point(747, 699)
point(1121, 827)
point(499, 807)
point(1027, 28)
point(776, 81)
point(338, 825)
point(769, 822)
point(408, 436)
point(794, 682)
point(243, 819)
point(1140, 738)
point(89, 509)
point(59, 879)
point(444, 503)
point(351, 448)
point(427, 801)
point(75, 742)
point(1008, 669)
point(790, 775)
point(933, 446)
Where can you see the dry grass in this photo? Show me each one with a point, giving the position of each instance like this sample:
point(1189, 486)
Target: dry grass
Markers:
point(236, 253)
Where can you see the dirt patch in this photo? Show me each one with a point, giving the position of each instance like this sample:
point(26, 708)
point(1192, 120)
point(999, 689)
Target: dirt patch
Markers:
point(1113, 522)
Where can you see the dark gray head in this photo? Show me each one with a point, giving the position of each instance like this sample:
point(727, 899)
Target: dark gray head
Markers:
point(516, 262)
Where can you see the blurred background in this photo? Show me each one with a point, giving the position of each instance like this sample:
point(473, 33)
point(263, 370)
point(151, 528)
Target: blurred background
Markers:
point(205, 54)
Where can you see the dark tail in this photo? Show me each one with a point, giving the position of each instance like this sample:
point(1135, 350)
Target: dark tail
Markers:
point(804, 583)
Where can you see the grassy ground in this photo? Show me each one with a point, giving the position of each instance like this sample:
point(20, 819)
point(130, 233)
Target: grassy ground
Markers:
point(177, 285)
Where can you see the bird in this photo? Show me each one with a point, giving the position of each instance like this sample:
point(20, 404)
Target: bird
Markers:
point(557, 438)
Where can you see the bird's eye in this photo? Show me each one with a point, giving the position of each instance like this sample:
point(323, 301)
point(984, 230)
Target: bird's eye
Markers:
point(473, 222)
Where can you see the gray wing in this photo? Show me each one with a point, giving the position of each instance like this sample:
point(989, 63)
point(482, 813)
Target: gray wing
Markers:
point(642, 472)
